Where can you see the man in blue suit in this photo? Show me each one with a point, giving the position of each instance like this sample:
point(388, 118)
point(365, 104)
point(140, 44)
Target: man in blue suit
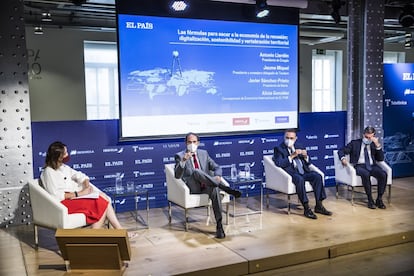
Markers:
point(202, 175)
point(363, 155)
point(294, 159)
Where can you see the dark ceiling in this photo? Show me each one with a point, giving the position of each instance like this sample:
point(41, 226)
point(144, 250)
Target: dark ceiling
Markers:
point(316, 23)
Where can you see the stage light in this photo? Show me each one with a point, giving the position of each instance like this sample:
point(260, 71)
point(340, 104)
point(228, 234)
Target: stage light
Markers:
point(78, 2)
point(46, 16)
point(179, 5)
point(38, 30)
point(406, 18)
point(262, 10)
point(408, 43)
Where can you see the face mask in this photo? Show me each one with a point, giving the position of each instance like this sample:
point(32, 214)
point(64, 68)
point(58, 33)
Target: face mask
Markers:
point(289, 142)
point(66, 159)
point(192, 147)
point(366, 141)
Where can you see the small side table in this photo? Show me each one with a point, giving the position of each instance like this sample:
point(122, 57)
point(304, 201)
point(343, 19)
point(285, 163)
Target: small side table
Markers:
point(243, 184)
point(137, 193)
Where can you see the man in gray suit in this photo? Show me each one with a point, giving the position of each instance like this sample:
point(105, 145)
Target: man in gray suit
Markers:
point(202, 175)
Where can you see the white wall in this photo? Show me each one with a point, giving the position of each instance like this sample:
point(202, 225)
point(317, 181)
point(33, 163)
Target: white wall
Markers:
point(57, 93)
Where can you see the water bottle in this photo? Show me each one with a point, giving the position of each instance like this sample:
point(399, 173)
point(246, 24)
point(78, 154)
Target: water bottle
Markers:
point(247, 170)
point(233, 172)
point(118, 183)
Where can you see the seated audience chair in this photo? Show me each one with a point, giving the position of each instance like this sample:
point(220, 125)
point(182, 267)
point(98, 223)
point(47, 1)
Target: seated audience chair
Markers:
point(347, 176)
point(48, 212)
point(279, 180)
point(179, 194)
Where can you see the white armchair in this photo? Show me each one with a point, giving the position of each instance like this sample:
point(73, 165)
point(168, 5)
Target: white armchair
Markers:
point(279, 180)
point(347, 176)
point(179, 194)
point(49, 212)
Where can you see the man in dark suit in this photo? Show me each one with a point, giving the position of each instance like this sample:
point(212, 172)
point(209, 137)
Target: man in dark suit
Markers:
point(294, 159)
point(363, 153)
point(202, 175)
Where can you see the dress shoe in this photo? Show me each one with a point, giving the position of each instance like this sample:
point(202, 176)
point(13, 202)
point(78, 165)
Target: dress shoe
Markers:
point(235, 193)
point(230, 191)
point(371, 205)
point(380, 204)
point(322, 210)
point(309, 214)
point(220, 232)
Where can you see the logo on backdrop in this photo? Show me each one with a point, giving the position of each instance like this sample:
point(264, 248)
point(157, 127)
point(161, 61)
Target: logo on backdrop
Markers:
point(311, 137)
point(114, 163)
point(80, 152)
point(143, 161)
point(269, 140)
point(249, 141)
point(247, 153)
point(223, 155)
point(142, 148)
point(82, 166)
point(140, 173)
point(168, 159)
point(327, 136)
point(112, 150)
point(222, 143)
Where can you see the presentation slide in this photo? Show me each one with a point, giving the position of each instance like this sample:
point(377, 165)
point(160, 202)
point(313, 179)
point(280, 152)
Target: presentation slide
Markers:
point(206, 76)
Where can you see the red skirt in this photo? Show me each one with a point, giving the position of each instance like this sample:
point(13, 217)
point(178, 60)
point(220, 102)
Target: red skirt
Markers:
point(93, 208)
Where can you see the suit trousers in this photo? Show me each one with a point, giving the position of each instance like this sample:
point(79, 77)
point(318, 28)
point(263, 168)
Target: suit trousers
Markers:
point(376, 172)
point(207, 185)
point(316, 181)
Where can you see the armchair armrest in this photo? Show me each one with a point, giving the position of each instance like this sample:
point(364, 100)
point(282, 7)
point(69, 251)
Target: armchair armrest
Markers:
point(177, 189)
point(276, 177)
point(387, 169)
point(316, 169)
point(47, 210)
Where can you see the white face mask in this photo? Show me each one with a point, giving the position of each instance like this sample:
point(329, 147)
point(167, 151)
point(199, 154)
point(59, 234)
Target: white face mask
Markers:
point(192, 147)
point(289, 142)
point(366, 141)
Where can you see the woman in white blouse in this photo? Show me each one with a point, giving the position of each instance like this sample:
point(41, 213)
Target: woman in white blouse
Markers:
point(73, 189)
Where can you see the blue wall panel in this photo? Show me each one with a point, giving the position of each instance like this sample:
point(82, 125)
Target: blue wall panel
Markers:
point(96, 151)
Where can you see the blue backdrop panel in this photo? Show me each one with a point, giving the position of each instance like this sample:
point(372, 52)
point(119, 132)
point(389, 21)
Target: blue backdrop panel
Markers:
point(96, 151)
point(399, 118)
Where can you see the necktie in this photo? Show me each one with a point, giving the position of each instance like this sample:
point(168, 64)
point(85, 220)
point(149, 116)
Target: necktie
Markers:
point(367, 160)
point(196, 166)
point(299, 165)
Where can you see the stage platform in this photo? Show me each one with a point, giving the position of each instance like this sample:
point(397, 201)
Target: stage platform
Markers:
point(255, 244)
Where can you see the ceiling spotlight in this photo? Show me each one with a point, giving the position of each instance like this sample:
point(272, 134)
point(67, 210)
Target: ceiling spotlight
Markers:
point(38, 30)
point(406, 18)
point(262, 10)
point(179, 5)
point(408, 43)
point(46, 16)
point(78, 2)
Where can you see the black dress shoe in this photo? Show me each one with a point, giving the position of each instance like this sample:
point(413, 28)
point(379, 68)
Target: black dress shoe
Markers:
point(220, 232)
point(371, 205)
point(380, 204)
point(230, 191)
point(322, 210)
point(309, 214)
point(235, 193)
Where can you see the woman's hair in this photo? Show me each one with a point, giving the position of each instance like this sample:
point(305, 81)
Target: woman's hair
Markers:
point(55, 150)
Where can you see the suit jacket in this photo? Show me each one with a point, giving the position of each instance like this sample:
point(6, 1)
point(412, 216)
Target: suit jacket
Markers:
point(185, 172)
point(280, 157)
point(353, 148)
